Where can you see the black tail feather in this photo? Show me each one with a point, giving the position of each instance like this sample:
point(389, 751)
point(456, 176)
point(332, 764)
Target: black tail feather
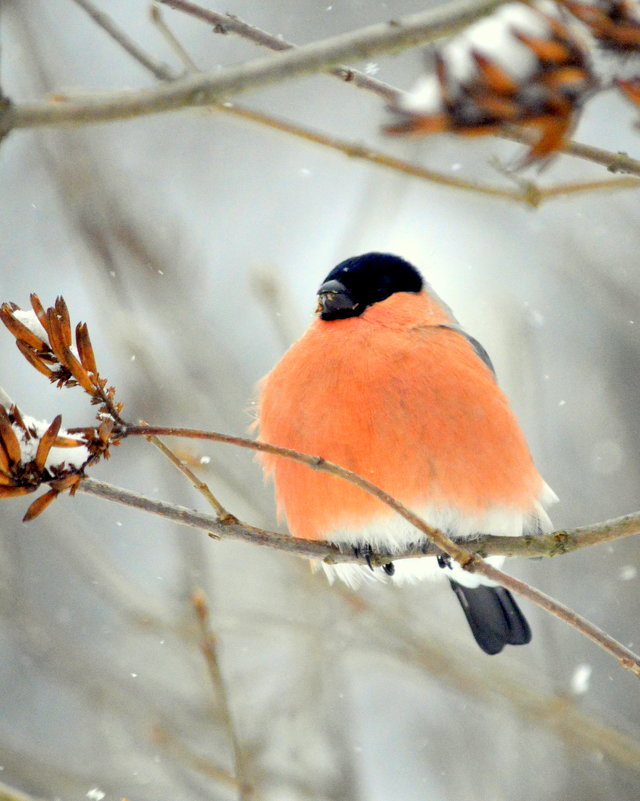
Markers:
point(493, 615)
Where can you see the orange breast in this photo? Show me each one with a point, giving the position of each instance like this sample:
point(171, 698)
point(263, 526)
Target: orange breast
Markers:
point(400, 401)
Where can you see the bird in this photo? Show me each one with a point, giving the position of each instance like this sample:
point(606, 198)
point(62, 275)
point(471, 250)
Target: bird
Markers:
point(386, 383)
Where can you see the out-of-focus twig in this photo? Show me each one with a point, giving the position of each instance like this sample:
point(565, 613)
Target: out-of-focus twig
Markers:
point(11, 794)
point(204, 89)
point(614, 162)
point(161, 71)
point(528, 193)
point(172, 745)
point(209, 646)
point(493, 684)
point(230, 23)
point(158, 20)
point(627, 658)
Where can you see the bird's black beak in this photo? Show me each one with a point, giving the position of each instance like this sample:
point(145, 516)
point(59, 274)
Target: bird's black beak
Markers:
point(334, 301)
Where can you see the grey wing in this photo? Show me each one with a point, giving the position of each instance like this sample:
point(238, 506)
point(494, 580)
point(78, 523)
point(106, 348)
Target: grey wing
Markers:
point(480, 351)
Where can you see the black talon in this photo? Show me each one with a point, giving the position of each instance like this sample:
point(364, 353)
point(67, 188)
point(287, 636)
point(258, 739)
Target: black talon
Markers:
point(389, 568)
point(444, 560)
point(366, 552)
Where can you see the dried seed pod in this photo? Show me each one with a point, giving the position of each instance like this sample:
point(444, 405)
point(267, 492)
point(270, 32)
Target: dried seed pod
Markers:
point(39, 505)
point(15, 492)
point(8, 439)
point(46, 442)
point(35, 360)
point(38, 309)
point(521, 66)
point(85, 349)
point(19, 329)
point(631, 89)
point(614, 23)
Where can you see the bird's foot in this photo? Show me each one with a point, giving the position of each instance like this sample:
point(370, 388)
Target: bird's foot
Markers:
point(365, 551)
point(444, 560)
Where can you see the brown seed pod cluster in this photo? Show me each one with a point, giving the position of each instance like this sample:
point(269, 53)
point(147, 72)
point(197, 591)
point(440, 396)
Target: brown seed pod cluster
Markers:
point(613, 23)
point(615, 26)
point(29, 455)
point(530, 66)
point(46, 343)
point(27, 460)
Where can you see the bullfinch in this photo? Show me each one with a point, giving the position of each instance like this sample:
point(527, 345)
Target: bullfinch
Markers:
point(387, 384)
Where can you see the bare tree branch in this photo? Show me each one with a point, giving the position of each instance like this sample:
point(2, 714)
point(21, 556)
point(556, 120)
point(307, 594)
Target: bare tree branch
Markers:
point(205, 89)
point(527, 193)
point(10, 794)
point(209, 647)
point(208, 88)
point(155, 12)
point(229, 23)
point(467, 560)
point(455, 550)
point(161, 71)
point(548, 545)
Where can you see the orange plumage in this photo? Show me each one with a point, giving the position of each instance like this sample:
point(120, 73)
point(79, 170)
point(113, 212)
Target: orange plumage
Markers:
point(401, 401)
point(386, 384)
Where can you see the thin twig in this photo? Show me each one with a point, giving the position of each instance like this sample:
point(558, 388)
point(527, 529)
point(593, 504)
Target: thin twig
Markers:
point(208, 88)
point(209, 647)
point(179, 751)
point(468, 561)
point(229, 23)
point(170, 38)
point(161, 71)
point(11, 794)
point(201, 486)
point(465, 558)
point(624, 655)
point(529, 193)
point(548, 545)
point(164, 73)
point(614, 162)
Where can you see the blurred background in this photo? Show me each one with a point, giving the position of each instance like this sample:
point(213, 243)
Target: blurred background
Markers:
point(192, 243)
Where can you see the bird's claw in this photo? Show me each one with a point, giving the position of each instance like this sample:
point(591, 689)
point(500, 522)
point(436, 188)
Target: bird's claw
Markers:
point(365, 551)
point(444, 560)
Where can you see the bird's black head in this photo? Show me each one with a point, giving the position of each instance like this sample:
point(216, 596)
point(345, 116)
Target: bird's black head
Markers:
point(356, 283)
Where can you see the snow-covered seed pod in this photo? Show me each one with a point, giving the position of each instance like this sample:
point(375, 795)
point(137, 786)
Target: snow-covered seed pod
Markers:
point(614, 23)
point(523, 66)
point(615, 27)
point(631, 89)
